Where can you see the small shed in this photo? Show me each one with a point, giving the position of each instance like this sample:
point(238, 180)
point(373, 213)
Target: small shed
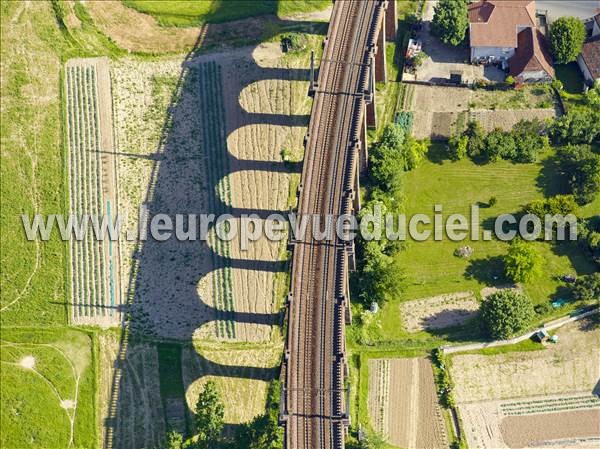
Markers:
point(541, 335)
point(456, 76)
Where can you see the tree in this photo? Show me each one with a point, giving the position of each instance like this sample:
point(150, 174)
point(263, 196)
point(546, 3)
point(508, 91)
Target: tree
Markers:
point(506, 313)
point(450, 21)
point(414, 151)
point(530, 140)
point(522, 263)
point(387, 157)
point(587, 288)
point(567, 35)
point(581, 166)
point(209, 416)
point(457, 146)
point(579, 126)
point(499, 145)
point(263, 432)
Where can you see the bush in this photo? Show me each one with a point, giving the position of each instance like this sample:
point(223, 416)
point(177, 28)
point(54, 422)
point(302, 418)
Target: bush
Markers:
point(510, 81)
point(530, 140)
point(457, 147)
point(506, 313)
point(522, 263)
point(476, 136)
point(589, 237)
point(587, 288)
point(567, 35)
point(543, 309)
point(404, 119)
point(500, 145)
point(559, 204)
point(450, 21)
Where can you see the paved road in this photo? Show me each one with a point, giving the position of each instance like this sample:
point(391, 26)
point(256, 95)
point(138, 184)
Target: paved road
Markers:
point(583, 9)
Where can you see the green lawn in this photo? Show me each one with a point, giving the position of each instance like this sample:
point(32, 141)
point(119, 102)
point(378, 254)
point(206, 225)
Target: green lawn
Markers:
point(192, 13)
point(61, 368)
point(35, 278)
point(432, 268)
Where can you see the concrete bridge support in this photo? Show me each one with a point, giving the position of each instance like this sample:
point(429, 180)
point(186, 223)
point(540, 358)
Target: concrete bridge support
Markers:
point(391, 21)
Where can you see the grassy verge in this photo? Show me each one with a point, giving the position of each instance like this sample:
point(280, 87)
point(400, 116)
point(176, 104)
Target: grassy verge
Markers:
point(186, 14)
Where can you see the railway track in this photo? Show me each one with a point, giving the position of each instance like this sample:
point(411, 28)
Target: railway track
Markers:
point(313, 377)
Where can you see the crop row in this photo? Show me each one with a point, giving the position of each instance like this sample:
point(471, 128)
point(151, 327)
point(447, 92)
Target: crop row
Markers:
point(85, 184)
point(550, 405)
point(214, 147)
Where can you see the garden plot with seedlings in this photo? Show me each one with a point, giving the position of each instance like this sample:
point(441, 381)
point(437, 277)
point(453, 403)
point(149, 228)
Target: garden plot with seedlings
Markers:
point(438, 312)
point(403, 403)
point(47, 389)
point(92, 190)
point(439, 119)
point(210, 135)
point(241, 374)
point(567, 366)
point(536, 398)
point(568, 420)
point(131, 406)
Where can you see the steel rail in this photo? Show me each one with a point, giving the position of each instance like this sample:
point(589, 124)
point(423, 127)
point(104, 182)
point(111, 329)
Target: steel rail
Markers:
point(314, 383)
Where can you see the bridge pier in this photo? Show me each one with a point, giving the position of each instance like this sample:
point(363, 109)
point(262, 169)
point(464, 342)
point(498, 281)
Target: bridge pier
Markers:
point(380, 62)
point(391, 21)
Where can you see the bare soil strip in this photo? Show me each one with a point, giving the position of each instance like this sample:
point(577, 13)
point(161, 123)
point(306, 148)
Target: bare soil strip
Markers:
point(403, 403)
point(438, 312)
point(570, 365)
point(532, 431)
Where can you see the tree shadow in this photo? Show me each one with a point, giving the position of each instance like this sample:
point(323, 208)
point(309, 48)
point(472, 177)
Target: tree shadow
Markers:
point(448, 318)
point(437, 153)
point(489, 271)
point(181, 290)
point(550, 180)
point(581, 262)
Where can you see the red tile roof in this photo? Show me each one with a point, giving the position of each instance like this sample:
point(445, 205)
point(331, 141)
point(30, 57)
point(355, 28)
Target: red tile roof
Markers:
point(532, 54)
point(495, 23)
point(591, 56)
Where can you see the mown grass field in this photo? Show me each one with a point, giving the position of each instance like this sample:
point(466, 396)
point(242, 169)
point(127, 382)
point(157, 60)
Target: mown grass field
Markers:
point(35, 42)
point(186, 13)
point(432, 269)
point(39, 369)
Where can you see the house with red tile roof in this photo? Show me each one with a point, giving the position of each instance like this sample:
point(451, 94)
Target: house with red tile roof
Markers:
point(589, 59)
point(505, 31)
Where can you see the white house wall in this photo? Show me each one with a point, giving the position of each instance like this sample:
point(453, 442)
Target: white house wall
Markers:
point(496, 52)
point(584, 69)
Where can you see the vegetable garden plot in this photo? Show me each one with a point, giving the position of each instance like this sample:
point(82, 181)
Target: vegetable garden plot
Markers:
point(403, 403)
point(92, 190)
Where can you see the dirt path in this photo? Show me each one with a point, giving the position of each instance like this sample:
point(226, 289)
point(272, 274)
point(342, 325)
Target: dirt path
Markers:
point(549, 326)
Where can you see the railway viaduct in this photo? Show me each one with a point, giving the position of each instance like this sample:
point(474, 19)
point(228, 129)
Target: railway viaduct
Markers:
point(314, 384)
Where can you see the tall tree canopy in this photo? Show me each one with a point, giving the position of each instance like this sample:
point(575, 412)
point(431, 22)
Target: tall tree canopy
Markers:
point(450, 21)
point(209, 416)
point(567, 35)
point(522, 262)
point(506, 313)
